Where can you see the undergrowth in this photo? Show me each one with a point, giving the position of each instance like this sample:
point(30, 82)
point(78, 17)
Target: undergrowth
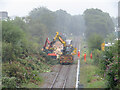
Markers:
point(25, 71)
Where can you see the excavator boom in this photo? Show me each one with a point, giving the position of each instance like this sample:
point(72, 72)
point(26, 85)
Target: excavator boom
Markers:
point(47, 41)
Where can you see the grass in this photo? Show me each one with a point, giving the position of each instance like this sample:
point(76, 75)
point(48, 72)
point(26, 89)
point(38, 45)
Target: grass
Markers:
point(96, 84)
point(89, 75)
point(30, 85)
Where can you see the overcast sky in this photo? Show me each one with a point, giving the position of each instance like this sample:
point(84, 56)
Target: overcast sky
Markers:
point(74, 7)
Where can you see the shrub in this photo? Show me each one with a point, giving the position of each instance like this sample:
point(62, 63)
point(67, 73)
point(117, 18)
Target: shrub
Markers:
point(7, 52)
point(109, 65)
point(9, 82)
point(24, 70)
point(94, 41)
point(111, 73)
point(97, 54)
point(47, 59)
point(15, 69)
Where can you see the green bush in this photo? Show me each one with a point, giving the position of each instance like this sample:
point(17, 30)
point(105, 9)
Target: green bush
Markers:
point(9, 82)
point(11, 33)
point(47, 59)
point(109, 65)
point(24, 70)
point(94, 41)
point(15, 69)
point(112, 74)
point(97, 54)
point(108, 62)
point(7, 52)
point(15, 42)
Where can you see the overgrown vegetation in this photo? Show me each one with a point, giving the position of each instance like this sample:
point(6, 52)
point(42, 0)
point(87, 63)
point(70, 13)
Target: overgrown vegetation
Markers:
point(95, 41)
point(22, 58)
point(104, 64)
point(90, 78)
point(24, 70)
point(90, 75)
point(98, 22)
point(110, 66)
point(108, 63)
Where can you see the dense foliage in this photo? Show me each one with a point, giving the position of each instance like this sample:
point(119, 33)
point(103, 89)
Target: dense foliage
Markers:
point(98, 22)
point(100, 28)
point(22, 57)
point(95, 41)
point(13, 38)
point(111, 66)
point(108, 62)
point(23, 71)
point(99, 25)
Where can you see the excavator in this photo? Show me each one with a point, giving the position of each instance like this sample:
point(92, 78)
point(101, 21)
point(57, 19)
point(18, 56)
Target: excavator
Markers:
point(67, 52)
point(48, 49)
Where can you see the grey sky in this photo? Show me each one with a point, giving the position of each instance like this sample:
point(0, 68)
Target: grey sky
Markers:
point(74, 7)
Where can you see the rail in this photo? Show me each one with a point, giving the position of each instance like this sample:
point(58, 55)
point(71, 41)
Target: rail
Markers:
point(65, 80)
point(66, 77)
point(56, 77)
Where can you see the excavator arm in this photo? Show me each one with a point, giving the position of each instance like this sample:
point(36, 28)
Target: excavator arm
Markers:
point(59, 38)
point(47, 41)
point(57, 33)
point(73, 51)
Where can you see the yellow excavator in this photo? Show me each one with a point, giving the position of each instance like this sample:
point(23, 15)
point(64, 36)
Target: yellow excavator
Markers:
point(68, 50)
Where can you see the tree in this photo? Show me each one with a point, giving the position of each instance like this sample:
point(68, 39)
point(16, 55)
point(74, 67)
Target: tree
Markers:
point(110, 38)
point(11, 33)
point(95, 41)
point(98, 21)
point(20, 22)
point(12, 41)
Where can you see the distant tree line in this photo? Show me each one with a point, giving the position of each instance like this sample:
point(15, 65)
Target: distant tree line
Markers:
point(98, 26)
point(44, 23)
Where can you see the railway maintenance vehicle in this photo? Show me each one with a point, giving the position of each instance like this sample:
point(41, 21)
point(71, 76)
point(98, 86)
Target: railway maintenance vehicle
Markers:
point(68, 51)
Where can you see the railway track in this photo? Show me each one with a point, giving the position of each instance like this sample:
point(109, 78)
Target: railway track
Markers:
point(66, 77)
point(60, 82)
point(62, 78)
